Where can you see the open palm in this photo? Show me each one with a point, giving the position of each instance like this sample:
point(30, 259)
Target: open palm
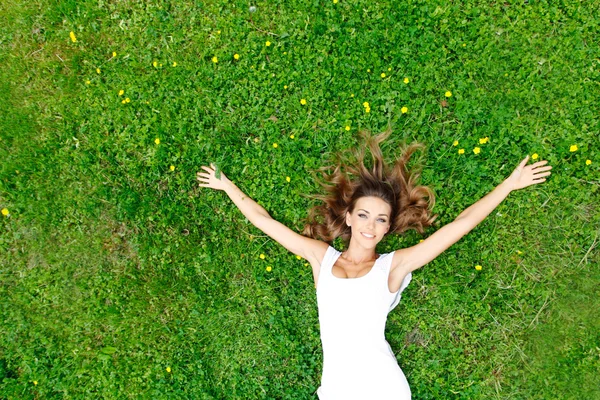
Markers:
point(209, 178)
point(527, 175)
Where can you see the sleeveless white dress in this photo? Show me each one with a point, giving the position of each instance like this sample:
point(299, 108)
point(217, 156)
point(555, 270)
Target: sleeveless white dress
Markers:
point(358, 363)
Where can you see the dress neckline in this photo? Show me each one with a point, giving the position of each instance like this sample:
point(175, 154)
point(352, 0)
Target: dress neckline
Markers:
point(358, 277)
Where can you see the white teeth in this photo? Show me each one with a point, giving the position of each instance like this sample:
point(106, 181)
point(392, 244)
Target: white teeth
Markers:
point(368, 236)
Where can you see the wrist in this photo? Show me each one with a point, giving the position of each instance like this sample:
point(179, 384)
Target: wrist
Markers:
point(507, 186)
point(227, 184)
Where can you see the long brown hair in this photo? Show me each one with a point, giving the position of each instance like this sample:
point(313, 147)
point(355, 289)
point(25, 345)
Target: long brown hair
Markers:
point(350, 180)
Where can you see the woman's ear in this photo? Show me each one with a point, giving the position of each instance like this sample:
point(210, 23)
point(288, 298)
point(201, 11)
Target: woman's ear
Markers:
point(348, 218)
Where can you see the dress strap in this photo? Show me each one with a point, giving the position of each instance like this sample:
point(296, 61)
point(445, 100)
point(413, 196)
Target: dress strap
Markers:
point(328, 259)
point(385, 263)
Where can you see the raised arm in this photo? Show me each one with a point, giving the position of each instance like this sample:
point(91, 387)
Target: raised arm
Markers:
point(307, 248)
point(412, 258)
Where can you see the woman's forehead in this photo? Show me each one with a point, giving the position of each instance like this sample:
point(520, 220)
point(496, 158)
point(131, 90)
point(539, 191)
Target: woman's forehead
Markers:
point(373, 205)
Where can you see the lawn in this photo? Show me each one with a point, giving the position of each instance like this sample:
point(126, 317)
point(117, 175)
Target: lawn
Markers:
point(120, 278)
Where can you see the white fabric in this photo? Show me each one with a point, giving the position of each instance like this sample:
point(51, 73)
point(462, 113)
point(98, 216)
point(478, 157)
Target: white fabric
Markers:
point(358, 363)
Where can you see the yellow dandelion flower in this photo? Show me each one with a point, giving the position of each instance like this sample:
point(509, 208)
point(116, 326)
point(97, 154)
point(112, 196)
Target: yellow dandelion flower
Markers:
point(347, 128)
point(383, 74)
point(368, 109)
point(573, 148)
point(114, 53)
point(588, 162)
point(448, 94)
point(87, 82)
point(287, 178)
point(404, 110)
point(461, 151)
point(285, 86)
point(484, 140)
point(478, 267)
point(306, 265)
point(275, 145)
point(72, 35)
point(35, 383)
point(169, 369)
point(267, 43)
point(218, 32)
point(215, 59)
point(519, 252)
point(172, 168)
point(127, 100)
point(476, 150)
point(97, 70)
point(292, 136)
point(262, 256)
point(352, 95)
point(366, 104)
point(269, 269)
point(455, 143)
point(406, 80)
point(369, 70)
point(121, 92)
point(299, 258)
point(303, 102)
point(389, 69)
point(464, 45)
point(157, 141)
point(174, 64)
point(155, 64)
point(534, 156)
point(335, 1)
point(236, 56)
point(5, 212)
point(123, 101)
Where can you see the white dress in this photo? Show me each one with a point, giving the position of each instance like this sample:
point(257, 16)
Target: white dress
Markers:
point(358, 363)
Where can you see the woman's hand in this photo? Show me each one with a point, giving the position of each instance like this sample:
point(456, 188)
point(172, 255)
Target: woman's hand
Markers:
point(524, 176)
point(208, 179)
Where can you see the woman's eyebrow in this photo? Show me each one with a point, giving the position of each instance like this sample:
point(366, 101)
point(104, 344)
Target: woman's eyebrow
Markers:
point(361, 209)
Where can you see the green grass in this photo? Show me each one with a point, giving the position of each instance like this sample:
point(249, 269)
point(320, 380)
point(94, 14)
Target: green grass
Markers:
point(113, 267)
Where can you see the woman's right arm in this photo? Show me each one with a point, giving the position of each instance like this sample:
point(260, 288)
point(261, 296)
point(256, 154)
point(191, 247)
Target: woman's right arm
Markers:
point(310, 249)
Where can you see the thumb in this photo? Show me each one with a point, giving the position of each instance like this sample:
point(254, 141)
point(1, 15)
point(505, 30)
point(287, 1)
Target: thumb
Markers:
point(524, 162)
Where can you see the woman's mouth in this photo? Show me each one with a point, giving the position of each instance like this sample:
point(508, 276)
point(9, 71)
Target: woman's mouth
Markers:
point(367, 236)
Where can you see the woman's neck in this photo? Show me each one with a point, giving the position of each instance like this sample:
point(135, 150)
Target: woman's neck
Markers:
point(357, 254)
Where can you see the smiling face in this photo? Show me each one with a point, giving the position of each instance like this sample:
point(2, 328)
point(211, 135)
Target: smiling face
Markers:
point(370, 220)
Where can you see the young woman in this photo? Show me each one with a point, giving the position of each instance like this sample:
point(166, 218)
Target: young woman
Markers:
point(357, 288)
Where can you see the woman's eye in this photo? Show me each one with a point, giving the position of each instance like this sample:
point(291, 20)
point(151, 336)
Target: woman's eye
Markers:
point(361, 215)
point(382, 220)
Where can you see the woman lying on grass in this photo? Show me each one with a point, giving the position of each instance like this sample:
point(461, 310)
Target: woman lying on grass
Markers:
point(357, 288)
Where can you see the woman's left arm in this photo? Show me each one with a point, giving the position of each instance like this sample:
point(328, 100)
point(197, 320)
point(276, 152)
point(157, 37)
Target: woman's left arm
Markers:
point(412, 258)
point(523, 176)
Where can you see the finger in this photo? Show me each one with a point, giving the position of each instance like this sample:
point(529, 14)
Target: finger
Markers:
point(541, 169)
point(541, 174)
point(206, 168)
point(202, 175)
point(524, 162)
point(539, 163)
point(538, 180)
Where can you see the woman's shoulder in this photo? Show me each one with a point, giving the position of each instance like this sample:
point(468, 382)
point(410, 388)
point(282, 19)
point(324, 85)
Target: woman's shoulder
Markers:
point(319, 250)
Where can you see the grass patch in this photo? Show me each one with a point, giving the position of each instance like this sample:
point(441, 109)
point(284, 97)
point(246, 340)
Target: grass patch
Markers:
point(121, 279)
